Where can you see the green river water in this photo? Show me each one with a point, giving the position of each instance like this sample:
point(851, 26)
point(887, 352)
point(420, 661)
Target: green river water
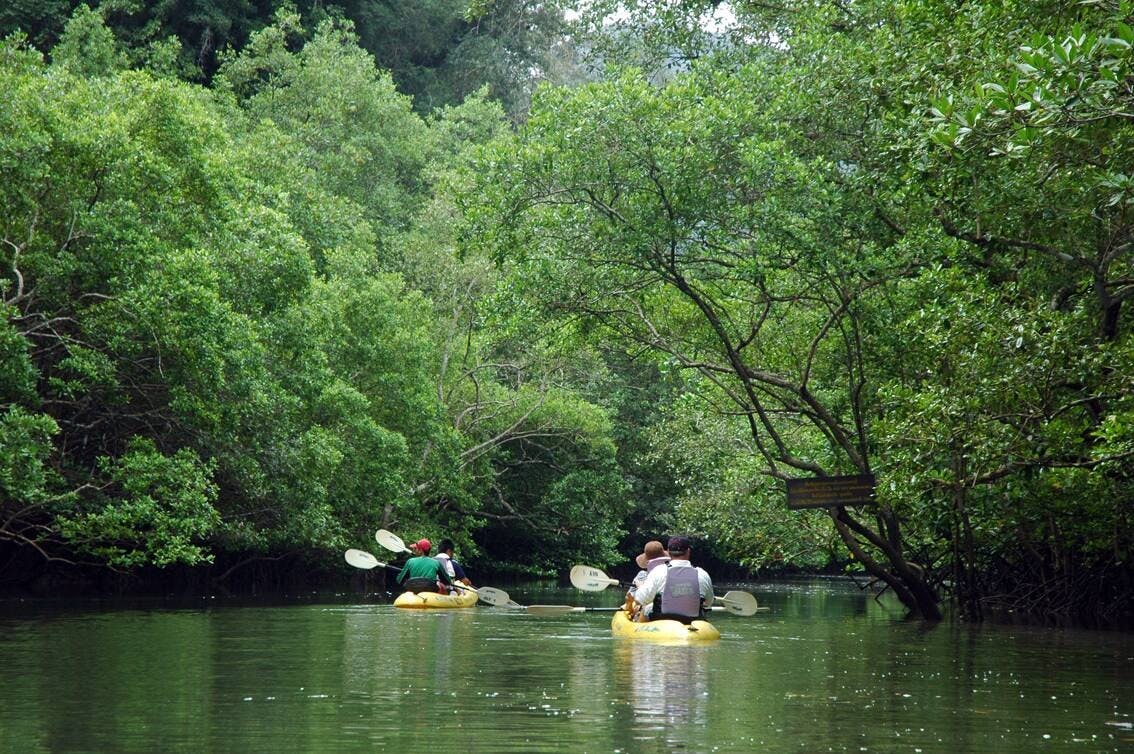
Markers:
point(827, 668)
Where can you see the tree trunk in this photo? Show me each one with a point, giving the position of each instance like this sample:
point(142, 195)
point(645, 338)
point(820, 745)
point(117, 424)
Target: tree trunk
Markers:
point(904, 577)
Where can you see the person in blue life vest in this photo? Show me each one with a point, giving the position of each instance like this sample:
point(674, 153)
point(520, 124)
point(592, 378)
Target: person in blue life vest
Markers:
point(445, 554)
point(422, 573)
point(678, 589)
point(653, 555)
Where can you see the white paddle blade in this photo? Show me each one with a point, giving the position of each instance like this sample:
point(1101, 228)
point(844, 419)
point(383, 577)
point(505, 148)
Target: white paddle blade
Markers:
point(390, 541)
point(492, 596)
point(739, 603)
point(590, 579)
point(362, 559)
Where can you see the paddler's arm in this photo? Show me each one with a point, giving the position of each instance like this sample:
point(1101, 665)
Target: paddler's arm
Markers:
point(649, 588)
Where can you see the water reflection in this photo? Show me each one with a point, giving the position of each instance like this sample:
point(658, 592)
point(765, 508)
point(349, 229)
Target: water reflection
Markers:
point(404, 658)
point(668, 690)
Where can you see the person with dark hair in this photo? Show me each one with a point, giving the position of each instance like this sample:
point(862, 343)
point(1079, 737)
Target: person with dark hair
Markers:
point(679, 590)
point(445, 552)
point(422, 573)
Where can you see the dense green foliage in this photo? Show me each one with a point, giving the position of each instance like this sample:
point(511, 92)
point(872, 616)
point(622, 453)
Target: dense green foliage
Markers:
point(277, 275)
point(211, 348)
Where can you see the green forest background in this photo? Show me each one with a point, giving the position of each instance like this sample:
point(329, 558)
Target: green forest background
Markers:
point(555, 278)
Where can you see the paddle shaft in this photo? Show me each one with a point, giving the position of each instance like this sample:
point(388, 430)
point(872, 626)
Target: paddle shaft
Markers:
point(377, 565)
point(559, 609)
point(716, 598)
point(563, 609)
point(591, 579)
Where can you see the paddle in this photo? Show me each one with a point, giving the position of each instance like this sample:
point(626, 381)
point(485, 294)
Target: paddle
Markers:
point(394, 543)
point(390, 541)
point(562, 609)
point(591, 579)
point(498, 597)
point(364, 560)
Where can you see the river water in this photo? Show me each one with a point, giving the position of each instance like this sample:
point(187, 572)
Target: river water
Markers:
point(827, 668)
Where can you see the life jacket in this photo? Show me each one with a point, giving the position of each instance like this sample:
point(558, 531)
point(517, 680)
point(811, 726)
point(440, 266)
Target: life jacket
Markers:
point(655, 562)
point(680, 597)
point(447, 563)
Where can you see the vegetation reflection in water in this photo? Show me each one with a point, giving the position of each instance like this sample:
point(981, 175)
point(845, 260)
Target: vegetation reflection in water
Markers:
point(825, 669)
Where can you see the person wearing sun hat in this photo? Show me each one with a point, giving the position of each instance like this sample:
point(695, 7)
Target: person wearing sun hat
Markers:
point(422, 573)
point(679, 590)
point(653, 554)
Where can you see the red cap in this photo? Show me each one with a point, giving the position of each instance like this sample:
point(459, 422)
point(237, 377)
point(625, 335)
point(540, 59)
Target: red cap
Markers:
point(424, 545)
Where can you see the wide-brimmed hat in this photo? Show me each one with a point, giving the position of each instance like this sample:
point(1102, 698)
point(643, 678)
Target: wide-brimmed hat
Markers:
point(653, 549)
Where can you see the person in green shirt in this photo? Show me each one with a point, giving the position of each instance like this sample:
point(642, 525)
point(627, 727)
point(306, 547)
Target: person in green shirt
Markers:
point(422, 573)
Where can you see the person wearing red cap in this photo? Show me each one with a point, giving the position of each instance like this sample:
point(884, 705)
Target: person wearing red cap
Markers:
point(677, 590)
point(422, 573)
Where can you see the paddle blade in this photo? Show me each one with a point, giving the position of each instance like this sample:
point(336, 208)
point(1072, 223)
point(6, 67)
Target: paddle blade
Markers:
point(739, 603)
point(390, 541)
point(362, 559)
point(590, 579)
point(492, 596)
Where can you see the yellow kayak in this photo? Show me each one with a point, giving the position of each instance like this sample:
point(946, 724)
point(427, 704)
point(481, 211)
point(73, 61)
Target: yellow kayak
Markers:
point(422, 600)
point(671, 631)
